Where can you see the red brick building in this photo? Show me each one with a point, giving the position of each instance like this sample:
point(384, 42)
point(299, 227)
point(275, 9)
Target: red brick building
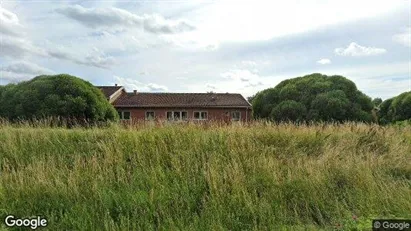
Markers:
point(138, 106)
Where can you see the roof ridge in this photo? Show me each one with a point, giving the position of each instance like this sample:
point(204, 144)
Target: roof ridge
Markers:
point(108, 86)
point(202, 93)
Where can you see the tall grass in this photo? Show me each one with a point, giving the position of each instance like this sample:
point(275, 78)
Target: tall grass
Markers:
point(257, 176)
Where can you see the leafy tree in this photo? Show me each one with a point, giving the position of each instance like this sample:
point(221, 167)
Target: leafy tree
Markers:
point(314, 97)
point(396, 109)
point(262, 105)
point(377, 102)
point(333, 105)
point(250, 98)
point(58, 95)
point(289, 110)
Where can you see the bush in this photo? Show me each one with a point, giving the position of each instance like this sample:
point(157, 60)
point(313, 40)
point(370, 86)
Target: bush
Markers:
point(396, 109)
point(61, 95)
point(289, 110)
point(314, 97)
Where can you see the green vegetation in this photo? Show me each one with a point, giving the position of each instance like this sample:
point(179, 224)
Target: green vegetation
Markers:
point(396, 109)
point(314, 97)
point(190, 177)
point(62, 95)
point(377, 102)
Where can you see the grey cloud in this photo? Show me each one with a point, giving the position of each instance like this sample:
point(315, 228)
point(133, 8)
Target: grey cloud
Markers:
point(158, 25)
point(25, 67)
point(256, 84)
point(19, 48)
point(211, 86)
point(96, 60)
point(100, 61)
point(61, 55)
point(244, 79)
point(23, 70)
point(13, 30)
point(115, 18)
point(100, 17)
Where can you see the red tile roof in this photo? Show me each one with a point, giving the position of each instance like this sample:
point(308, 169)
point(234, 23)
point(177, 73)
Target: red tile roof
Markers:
point(181, 100)
point(109, 90)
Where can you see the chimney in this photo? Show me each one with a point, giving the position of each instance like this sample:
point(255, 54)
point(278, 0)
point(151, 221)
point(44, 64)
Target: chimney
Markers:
point(135, 92)
point(115, 84)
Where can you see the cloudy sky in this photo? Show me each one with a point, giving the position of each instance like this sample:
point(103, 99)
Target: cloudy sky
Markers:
point(200, 46)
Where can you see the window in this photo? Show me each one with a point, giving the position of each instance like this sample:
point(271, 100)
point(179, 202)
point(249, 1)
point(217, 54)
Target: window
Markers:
point(170, 115)
point(150, 115)
point(184, 115)
point(124, 115)
point(176, 115)
point(235, 115)
point(200, 115)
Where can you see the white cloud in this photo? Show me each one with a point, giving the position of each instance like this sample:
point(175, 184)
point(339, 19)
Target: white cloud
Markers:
point(245, 77)
point(98, 58)
point(253, 64)
point(227, 33)
point(249, 63)
point(403, 38)
point(132, 84)
point(11, 77)
point(324, 61)
point(356, 50)
point(242, 75)
point(234, 82)
point(9, 23)
point(211, 47)
point(116, 18)
point(156, 87)
point(264, 20)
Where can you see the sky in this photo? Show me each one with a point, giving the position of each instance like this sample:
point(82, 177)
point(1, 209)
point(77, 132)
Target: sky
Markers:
point(201, 46)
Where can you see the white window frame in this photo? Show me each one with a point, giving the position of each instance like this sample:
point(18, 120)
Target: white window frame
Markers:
point(180, 115)
point(146, 117)
point(235, 119)
point(121, 114)
point(200, 117)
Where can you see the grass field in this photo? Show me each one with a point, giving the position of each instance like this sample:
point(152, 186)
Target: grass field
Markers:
point(191, 177)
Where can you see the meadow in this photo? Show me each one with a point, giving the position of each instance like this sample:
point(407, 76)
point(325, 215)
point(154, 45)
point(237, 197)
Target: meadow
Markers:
point(258, 176)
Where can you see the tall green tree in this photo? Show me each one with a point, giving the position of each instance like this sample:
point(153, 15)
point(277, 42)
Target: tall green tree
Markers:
point(396, 109)
point(314, 97)
point(61, 95)
point(377, 102)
